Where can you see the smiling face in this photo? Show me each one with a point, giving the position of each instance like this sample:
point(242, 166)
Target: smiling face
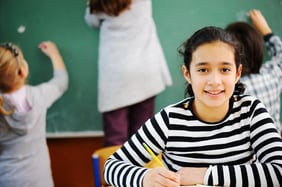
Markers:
point(213, 75)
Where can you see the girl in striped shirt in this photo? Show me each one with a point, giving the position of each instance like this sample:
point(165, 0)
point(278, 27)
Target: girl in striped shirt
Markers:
point(216, 136)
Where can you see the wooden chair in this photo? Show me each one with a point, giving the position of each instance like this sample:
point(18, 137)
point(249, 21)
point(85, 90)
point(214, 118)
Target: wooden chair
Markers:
point(99, 158)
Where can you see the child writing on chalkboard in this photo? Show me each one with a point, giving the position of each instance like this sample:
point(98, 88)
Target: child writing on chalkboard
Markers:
point(24, 156)
point(262, 80)
point(132, 69)
point(217, 136)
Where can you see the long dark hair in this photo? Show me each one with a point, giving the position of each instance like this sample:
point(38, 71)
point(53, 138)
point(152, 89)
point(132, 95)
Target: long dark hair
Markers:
point(252, 45)
point(208, 35)
point(110, 7)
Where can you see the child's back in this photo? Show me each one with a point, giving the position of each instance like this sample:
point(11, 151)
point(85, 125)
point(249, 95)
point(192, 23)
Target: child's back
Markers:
point(24, 158)
point(262, 80)
point(130, 57)
point(132, 68)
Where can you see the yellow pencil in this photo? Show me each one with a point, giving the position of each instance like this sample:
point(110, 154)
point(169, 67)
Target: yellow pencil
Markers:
point(153, 155)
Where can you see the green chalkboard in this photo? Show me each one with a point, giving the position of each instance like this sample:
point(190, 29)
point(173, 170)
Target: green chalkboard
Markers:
point(76, 114)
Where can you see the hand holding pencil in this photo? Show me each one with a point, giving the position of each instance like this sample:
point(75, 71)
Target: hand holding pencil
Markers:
point(152, 154)
point(174, 178)
point(159, 176)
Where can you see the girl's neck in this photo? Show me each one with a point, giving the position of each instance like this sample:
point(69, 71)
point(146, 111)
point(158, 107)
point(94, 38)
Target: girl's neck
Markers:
point(210, 114)
point(17, 87)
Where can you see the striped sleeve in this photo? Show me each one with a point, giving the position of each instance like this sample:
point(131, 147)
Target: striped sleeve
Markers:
point(125, 167)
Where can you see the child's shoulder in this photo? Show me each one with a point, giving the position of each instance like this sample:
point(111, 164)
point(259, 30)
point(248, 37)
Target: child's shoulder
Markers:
point(183, 104)
point(245, 97)
point(245, 101)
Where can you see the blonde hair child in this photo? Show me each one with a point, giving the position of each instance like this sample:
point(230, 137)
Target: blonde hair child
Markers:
point(24, 158)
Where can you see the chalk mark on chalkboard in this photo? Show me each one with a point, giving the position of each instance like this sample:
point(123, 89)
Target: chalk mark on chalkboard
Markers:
point(21, 29)
point(242, 15)
point(53, 115)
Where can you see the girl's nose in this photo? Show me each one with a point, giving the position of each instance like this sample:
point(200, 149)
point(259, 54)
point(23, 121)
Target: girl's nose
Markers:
point(214, 78)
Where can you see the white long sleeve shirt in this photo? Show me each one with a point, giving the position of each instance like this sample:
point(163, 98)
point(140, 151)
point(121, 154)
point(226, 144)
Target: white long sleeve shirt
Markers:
point(131, 63)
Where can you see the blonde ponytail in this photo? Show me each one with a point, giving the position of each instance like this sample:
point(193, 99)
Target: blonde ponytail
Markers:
point(2, 109)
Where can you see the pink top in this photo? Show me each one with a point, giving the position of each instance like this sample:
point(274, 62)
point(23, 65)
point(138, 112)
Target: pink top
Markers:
point(19, 100)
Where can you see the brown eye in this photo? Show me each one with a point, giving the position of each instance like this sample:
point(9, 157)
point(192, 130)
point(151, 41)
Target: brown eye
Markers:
point(226, 70)
point(203, 70)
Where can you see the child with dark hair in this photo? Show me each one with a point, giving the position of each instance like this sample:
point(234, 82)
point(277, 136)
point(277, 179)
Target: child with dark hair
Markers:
point(132, 68)
point(216, 137)
point(262, 80)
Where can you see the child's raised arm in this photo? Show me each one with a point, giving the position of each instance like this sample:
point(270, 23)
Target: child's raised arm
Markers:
point(259, 22)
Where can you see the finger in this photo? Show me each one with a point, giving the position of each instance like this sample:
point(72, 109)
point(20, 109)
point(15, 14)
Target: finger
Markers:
point(42, 46)
point(165, 182)
point(175, 177)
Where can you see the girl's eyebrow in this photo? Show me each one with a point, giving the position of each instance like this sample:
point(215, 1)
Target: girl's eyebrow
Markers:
point(201, 63)
point(205, 63)
point(228, 63)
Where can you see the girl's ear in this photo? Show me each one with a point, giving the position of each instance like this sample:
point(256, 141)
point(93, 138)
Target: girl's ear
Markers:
point(238, 74)
point(23, 73)
point(186, 74)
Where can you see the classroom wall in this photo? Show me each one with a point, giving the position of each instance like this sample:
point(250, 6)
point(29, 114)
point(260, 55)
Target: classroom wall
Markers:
point(71, 160)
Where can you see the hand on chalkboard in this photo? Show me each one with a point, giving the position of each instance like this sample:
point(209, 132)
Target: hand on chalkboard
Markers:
point(50, 49)
point(259, 22)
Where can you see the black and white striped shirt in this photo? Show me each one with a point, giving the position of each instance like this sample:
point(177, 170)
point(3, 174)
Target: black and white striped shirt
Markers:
point(244, 149)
